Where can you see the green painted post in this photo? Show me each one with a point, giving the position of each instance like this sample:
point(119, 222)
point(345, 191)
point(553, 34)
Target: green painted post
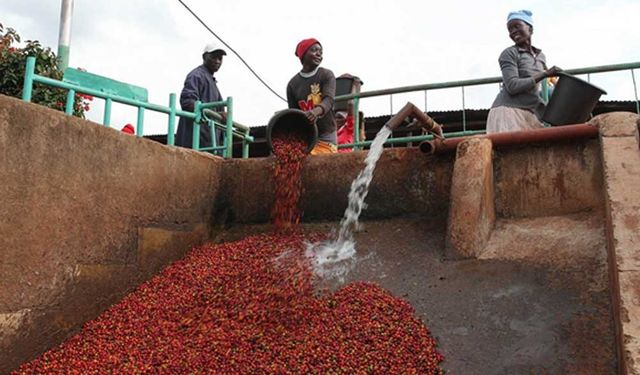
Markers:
point(245, 149)
point(197, 111)
point(229, 129)
point(195, 141)
point(29, 71)
point(71, 94)
point(140, 123)
point(171, 137)
point(107, 112)
point(214, 136)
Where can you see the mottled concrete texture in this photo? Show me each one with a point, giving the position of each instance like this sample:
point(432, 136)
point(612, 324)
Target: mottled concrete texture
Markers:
point(616, 124)
point(472, 212)
point(73, 198)
point(638, 132)
point(621, 162)
point(405, 182)
point(544, 180)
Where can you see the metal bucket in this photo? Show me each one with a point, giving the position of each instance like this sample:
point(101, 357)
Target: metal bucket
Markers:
point(292, 121)
point(572, 101)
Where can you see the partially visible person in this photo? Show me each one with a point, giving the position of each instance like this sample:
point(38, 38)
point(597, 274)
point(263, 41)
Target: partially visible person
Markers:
point(312, 90)
point(344, 111)
point(552, 82)
point(200, 84)
point(344, 123)
point(519, 106)
point(129, 129)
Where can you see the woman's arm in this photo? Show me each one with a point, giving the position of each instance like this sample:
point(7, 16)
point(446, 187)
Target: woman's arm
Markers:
point(513, 83)
point(328, 84)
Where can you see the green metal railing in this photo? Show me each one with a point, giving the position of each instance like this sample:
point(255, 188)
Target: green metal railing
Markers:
point(231, 129)
point(462, 84)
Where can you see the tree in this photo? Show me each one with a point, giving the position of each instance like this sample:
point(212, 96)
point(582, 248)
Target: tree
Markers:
point(12, 64)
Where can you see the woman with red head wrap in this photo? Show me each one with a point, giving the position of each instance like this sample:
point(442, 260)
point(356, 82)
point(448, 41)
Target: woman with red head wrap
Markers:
point(312, 90)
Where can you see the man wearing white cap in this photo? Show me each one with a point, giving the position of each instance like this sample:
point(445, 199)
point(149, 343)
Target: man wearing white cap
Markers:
point(201, 85)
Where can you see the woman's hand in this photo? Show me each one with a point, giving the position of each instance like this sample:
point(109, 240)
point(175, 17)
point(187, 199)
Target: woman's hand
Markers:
point(314, 114)
point(553, 71)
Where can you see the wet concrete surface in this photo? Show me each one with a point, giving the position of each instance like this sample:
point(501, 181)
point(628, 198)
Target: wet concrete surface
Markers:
point(515, 312)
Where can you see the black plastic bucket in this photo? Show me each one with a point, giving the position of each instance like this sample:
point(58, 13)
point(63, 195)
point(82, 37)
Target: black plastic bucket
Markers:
point(343, 87)
point(292, 121)
point(572, 101)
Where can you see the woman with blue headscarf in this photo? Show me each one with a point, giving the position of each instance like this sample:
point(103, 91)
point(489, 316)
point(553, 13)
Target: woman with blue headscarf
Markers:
point(519, 106)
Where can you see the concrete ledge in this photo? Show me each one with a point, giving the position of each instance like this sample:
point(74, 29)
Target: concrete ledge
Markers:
point(616, 124)
point(472, 211)
point(630, 320)
point(621, 164)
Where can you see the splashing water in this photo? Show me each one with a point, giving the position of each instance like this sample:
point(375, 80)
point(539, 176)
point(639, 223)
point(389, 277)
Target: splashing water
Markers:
point(334, 258)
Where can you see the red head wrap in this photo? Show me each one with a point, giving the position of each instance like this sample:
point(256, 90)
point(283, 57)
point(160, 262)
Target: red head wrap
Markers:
point(304, 45)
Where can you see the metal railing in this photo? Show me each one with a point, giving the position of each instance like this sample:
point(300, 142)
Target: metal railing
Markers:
point(462, 84)
point(231, 129)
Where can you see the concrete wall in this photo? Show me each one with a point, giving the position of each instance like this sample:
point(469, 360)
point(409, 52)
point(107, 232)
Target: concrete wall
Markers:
point(619, 133)
point(405, 182)
point(547, 180)
point(86, 213)
point(472, 213)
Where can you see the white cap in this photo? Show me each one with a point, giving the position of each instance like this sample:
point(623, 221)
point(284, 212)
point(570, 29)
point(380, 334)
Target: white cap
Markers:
point(212, 47)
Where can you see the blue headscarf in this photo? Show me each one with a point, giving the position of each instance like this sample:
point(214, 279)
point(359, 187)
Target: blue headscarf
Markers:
point(523, 15)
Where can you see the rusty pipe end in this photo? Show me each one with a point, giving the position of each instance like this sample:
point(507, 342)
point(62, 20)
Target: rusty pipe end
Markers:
point(427, 147)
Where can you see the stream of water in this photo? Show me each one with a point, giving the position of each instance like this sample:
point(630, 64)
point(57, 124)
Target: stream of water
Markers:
point(334, 258)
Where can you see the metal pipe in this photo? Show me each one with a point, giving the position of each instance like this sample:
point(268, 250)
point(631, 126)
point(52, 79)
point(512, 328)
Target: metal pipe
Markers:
point(210, 114)
point(558, 133)
point(64, 38)
point(423, 121)
point(228, 140)
point(171, 132)
point(106, 120)
point(475, 82)
point(29, 75)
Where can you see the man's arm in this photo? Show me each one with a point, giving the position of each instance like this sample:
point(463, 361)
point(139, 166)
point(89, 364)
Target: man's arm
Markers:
point(190, 92)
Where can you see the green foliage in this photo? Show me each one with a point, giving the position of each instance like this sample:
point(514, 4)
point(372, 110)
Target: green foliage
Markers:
point(12, 65)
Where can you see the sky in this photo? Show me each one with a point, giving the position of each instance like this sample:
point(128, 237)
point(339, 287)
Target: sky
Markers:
point(155, 43)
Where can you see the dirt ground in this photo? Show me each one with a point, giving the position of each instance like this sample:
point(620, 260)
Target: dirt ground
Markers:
point(536, 303)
